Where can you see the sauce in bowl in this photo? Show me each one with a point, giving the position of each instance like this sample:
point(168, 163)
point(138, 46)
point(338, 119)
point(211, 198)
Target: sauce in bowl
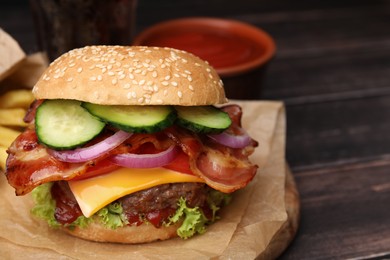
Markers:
point(221, 50)
point(231, 47)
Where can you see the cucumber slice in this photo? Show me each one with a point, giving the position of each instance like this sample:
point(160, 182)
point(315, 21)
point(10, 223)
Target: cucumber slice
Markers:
point(203, 119)
point(64, 124)
point(136, 119)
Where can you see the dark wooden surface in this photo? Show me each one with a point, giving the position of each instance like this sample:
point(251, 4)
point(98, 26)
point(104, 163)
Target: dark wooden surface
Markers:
point(332, 70)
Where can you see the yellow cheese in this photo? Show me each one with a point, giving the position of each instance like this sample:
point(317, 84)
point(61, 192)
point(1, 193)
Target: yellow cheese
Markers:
point(94, 193)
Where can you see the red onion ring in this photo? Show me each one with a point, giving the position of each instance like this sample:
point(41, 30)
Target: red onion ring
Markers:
point(91, 152)
point(233, 141)
point(130, 160)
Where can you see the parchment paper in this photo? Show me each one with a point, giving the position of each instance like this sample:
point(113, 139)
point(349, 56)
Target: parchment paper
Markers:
point(246, 228)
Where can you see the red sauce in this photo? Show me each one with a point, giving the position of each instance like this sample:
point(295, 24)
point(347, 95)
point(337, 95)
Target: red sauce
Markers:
point(158, 217)
point(221, 50)
point(67, 210)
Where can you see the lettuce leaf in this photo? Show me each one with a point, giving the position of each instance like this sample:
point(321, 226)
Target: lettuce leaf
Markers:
point(45, 207)
point(216, 199)
point(194, 220)
point(44, 204)
point(112, 216)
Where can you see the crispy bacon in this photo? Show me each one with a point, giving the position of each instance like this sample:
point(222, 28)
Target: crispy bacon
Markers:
point(29, 163)
point(224, 169)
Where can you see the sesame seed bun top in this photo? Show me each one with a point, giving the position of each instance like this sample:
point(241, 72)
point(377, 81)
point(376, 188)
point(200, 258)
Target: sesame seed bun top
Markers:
point(131, 75)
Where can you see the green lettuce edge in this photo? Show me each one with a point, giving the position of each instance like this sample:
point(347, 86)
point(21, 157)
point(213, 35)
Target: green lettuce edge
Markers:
point(112, 215)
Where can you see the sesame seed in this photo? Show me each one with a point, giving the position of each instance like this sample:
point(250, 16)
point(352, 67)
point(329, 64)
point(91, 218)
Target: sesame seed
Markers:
point(99, 77)
point(111, 73)
point(176, 75)
point(142, 81)
point(174, 83)
point(122, 76)
point(79, 69)
point(167, 77)
point(159, 101)
point(69, 79)
point(165, 83)
point(93, 78)
point(191, 87)
point(180, 94)
point(114, 81)
point(127, 85)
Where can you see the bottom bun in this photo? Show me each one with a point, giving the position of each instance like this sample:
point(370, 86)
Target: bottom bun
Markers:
point(127, 235)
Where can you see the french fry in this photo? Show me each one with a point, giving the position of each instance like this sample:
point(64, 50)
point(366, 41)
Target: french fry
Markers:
point(3, 157)
point(12, 116)
point(19, 98)
point(7, 136)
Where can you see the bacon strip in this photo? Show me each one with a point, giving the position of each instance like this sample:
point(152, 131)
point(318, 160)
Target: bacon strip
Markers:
point(29, 164)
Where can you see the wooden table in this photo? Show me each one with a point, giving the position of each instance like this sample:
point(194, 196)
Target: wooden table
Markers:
point(332, 70)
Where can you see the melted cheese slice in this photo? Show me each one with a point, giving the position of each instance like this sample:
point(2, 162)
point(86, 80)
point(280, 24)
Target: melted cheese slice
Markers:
point(94, 193)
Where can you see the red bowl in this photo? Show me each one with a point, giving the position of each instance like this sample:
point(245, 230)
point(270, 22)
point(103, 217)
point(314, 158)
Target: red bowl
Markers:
point(238, 51)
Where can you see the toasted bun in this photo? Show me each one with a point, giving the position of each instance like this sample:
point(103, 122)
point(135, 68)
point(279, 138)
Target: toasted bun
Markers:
point(131, 75)
point(127, 235)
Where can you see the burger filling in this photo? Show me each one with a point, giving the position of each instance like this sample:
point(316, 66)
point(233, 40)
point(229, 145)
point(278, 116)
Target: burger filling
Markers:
point(209, 151)
point(194, 204)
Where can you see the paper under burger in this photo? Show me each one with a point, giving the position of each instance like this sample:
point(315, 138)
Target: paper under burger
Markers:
point(128, 145)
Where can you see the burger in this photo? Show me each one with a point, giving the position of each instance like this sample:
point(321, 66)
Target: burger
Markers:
point(130, 145)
